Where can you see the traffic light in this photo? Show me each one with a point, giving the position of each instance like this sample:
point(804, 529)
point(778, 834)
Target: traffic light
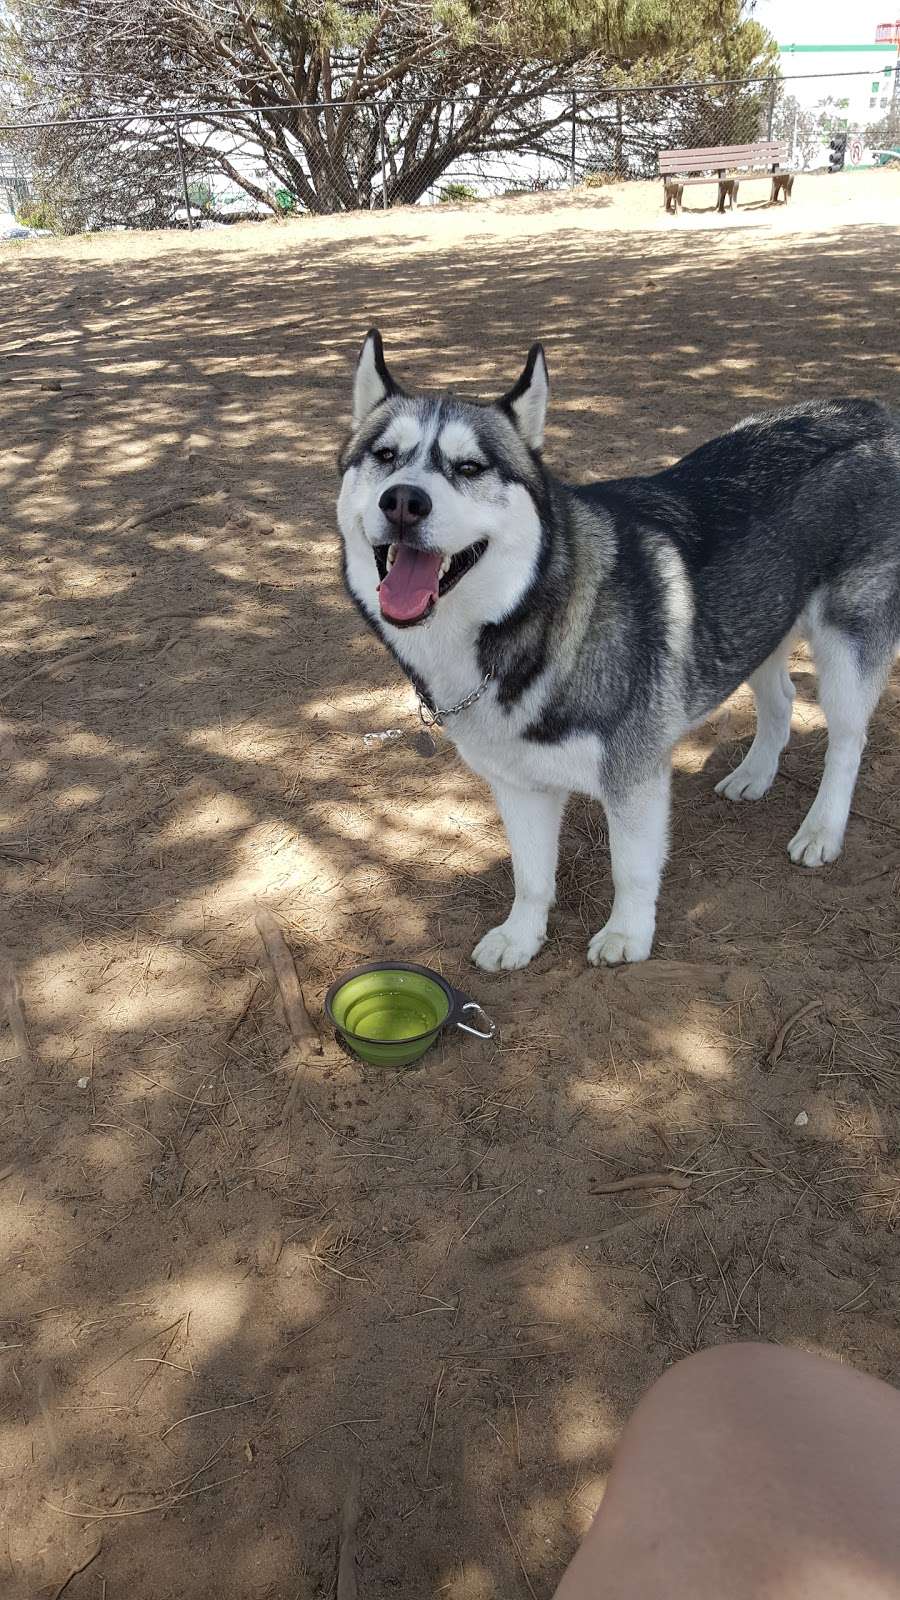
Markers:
point(836, 152)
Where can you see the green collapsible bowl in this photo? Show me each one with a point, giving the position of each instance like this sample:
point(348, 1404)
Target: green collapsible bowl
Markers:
point(390, 1012)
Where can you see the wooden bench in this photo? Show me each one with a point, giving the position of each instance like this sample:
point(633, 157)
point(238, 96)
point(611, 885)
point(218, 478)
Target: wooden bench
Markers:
point(722, 164)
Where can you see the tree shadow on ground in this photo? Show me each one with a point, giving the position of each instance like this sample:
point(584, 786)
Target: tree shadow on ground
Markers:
point(213, 1306)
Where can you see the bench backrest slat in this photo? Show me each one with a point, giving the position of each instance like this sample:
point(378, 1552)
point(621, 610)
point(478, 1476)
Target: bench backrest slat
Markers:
point(765, 152)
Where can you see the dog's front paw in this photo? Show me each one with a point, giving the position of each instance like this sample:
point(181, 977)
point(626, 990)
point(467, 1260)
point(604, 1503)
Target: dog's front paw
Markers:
point(814, 844)
point(610, 947)
point(750, 781)
point(506, 947)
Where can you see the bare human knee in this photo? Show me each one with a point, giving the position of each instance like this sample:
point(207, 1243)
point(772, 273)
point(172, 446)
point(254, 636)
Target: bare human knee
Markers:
point(751, 1470)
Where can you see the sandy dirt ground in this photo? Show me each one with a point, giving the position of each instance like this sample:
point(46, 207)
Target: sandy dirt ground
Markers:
point(231, 1282)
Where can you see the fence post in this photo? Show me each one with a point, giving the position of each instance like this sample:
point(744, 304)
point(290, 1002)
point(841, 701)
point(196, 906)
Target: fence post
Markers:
point(620, 151)
point(572, 158)
point(184, 182)
point(771, 117)
point(384, 193)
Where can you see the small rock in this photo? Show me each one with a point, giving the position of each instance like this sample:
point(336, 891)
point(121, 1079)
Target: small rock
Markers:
point(83, 1083)
point(801, 1119)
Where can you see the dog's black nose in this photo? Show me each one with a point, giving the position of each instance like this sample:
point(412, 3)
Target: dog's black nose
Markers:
point(405, 506)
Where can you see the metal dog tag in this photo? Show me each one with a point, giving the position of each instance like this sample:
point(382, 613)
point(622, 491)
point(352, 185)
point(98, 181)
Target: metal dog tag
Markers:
point(424, 745)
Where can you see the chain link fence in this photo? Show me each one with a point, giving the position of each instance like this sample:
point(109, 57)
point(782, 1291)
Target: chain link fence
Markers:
point(210, 166)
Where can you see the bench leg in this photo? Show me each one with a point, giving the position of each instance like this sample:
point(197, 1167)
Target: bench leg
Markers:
point(728, 191)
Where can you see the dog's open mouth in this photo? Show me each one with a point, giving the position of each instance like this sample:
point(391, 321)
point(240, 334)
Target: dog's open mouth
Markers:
point(412, 581)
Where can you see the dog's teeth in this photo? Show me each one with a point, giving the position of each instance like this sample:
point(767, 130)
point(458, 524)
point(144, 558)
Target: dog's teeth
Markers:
point(445, 568)
point(391, 555)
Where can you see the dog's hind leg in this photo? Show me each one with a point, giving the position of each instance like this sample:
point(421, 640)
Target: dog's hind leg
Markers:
point(852, 673)
point(774, 695)
point(638, 845)
point(532, 819)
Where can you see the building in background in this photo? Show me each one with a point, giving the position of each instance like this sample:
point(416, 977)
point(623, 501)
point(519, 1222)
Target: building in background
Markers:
point(867, 71)
point(833, 88)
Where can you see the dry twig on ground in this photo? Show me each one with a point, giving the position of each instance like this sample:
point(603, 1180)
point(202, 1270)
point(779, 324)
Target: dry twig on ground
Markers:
point(11, 1002)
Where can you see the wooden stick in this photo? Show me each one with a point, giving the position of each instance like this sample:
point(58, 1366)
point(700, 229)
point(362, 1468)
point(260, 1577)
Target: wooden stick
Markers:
point(170, 643)
point(513, 1542)
point(891, 866)
point(60, 663)
point(781, 1036)
point(437, 1396)
point(196, 789)
point(80, 1566)
point(11, 1002)
point(303, 1030)
point(346, 1579)
point(345, 1422)
point(644, 1180)
point(235, 1405)
point(98, 648)
point(155, 1333)
point(150, 513)
point(45, 1394)
point(251, 996)
point(485, 1209)
point(658, 970)
point(290, 1099)
point(535, 1260)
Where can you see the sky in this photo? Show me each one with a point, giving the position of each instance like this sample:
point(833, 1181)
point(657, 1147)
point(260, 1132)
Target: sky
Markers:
point(825, 21)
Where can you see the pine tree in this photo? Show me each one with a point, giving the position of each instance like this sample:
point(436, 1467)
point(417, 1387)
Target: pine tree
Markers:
point(392, 92)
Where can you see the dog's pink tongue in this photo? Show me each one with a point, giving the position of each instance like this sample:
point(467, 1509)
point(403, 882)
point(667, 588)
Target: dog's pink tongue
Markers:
point(411, 585)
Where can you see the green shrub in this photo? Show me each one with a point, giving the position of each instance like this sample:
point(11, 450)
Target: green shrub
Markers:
point(200, 194)
point(38, 214)
point(454, 193)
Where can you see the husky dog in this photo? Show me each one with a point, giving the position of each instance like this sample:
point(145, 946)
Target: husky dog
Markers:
point(569, 636)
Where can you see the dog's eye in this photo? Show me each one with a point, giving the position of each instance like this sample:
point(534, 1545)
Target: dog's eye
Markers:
point(469, 469)
point(385, 455)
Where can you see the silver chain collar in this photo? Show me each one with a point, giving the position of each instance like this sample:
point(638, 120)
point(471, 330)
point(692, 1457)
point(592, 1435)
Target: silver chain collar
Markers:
point(434, 718)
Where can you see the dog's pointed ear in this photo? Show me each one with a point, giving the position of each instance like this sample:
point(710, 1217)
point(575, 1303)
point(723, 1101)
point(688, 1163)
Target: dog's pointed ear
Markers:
point(372, 383)
point(526, 402)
